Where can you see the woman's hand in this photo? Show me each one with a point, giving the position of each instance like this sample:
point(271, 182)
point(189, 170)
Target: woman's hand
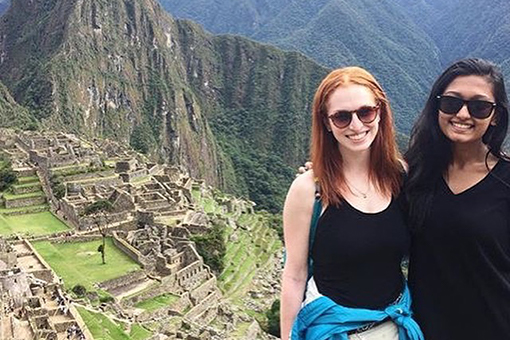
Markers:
point(305, 168)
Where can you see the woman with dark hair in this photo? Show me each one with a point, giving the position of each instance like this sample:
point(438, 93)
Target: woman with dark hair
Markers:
point(459, 206)
point(357, 290)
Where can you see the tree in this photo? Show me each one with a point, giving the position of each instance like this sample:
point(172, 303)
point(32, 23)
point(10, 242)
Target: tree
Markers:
point(212, 247)
point(273, 319)
point(100, 211)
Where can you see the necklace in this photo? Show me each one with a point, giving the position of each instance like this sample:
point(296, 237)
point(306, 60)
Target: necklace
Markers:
point(358, 192)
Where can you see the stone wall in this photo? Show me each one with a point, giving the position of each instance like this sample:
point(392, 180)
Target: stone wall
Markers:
point(128, 249)
point(191, 275)
point(8, 258)
point(75, 239)
point(208, 303)
point(89, 175)
point(69, 213)
point(44, 274)
point(15, 282)
point(77, 316)
point(154, 168)
point(125, 166)
point(122, 201)
point(41, 161)
point(89, 222)
point(25, 172)
point(44, 179)
point(57, 160)
point(24, 202)
point(17, 190)
point(205, 289)
point(123, 281)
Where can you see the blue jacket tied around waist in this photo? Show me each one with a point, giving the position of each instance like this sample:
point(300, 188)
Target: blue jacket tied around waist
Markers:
point(323, 319)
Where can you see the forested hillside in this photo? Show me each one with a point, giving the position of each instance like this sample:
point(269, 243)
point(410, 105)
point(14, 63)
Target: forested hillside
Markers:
point(230, 110)
point(405, 43)
point(377, 35)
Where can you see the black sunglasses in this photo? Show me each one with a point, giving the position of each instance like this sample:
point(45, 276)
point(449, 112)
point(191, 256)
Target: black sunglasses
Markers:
point(480, 109)
point(366, 114)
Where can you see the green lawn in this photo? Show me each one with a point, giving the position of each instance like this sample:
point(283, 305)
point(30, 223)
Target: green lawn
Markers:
point(42, 223)
point(27, 185)
point(27, 210)
point(94, 179)
point(157, 302)
point(103, 328)
point(29, 179)
point(11, 196)
point(80, 262)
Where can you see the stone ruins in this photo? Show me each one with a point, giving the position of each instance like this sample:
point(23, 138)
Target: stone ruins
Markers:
point(153, 219)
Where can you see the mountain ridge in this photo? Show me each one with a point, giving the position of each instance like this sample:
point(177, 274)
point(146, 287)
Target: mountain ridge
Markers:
point(129, 71)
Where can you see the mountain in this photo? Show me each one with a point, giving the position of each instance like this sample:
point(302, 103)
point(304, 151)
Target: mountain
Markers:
point(12, 114)
point(244, 17)
point(230, 110)
point(377, 35)
point(467, 28)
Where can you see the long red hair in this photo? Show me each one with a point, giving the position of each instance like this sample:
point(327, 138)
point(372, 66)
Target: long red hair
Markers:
point(385, 167)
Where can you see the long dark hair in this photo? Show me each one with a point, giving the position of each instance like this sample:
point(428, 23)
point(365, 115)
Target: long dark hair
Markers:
point(430, 151)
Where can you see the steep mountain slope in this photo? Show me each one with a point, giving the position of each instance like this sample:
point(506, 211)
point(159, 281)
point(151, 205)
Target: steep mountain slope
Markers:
point(12, 114)
point(464, 28)
point(378, 35)
point(232, 111)
point(243, 17)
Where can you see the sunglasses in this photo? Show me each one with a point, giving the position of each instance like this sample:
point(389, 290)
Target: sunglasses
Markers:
point(366, 114)
point(480, 109)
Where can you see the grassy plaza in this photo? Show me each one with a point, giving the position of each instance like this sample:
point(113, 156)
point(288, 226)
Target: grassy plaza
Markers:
point(104, 328)
point(157, 302)
point(42, 223)
point(80, 262)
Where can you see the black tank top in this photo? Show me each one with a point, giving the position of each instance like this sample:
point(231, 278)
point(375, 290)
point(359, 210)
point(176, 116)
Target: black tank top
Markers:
point(357, 255)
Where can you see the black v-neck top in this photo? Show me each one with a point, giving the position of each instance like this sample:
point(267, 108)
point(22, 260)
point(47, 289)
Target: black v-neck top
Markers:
point(357, 255)
point(459, 271)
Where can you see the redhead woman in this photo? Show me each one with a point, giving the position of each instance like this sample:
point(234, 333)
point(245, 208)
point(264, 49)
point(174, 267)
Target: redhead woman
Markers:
point(357, 290)
point(459, 197)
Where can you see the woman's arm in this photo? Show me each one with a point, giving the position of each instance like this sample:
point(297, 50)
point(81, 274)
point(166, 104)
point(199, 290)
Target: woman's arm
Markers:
point(297, 215)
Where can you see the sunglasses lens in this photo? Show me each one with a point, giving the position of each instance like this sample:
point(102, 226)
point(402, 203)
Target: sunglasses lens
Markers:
point(342, 119)
point(450, 105)
point(480, 108)
point(367, 114)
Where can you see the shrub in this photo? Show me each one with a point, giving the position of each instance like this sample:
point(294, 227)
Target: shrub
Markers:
point(79, 290)
point(106, 298)
point(212, 247)
point(273, 319)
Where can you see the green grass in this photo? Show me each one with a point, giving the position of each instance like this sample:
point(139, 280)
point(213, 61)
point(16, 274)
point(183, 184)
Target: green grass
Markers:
point(103, 328)
point(142, 179)
point(26, 185)
point(157, 302)
point(24, 209)
point(80, 262)
point(94, 179)
point(28, 179)
point(9, 196)
point(139, 333)
point(42, 223)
